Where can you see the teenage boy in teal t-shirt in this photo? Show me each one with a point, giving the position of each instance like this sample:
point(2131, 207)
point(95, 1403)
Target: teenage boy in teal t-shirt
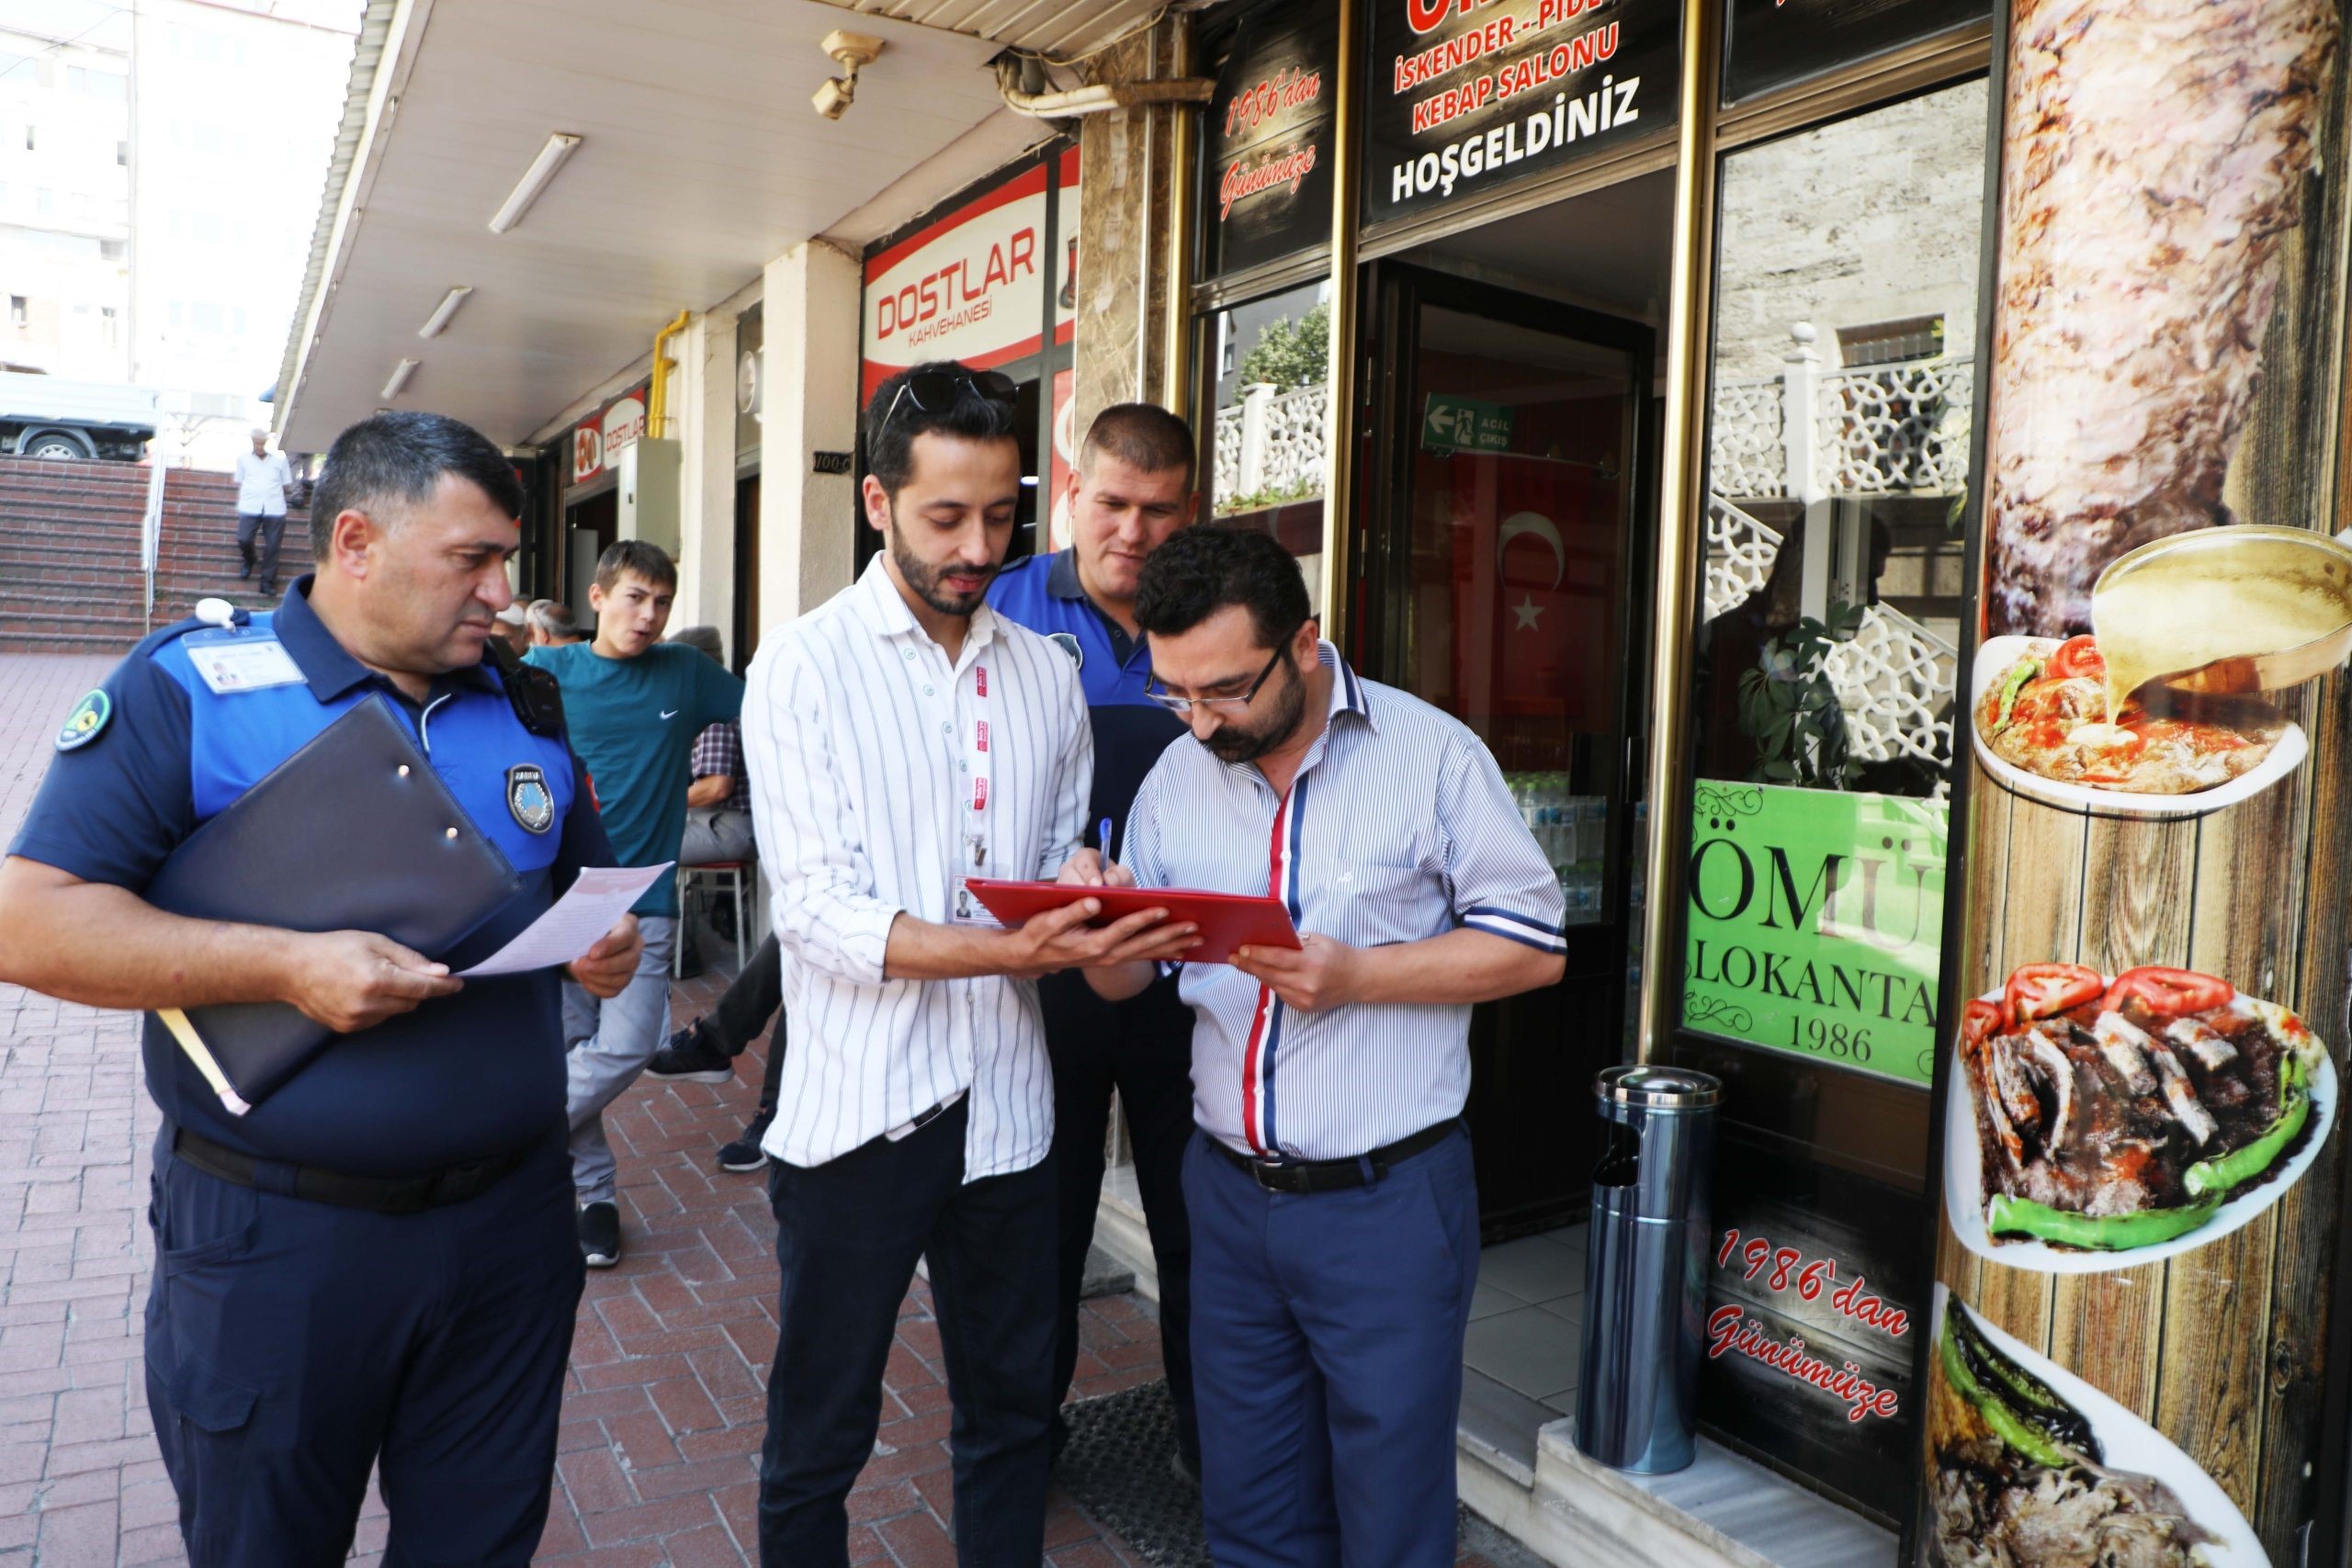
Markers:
point(633, 705)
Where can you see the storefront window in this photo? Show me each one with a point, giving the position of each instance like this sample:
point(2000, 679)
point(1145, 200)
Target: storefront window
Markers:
point(1266, 379)
point(1846, 305)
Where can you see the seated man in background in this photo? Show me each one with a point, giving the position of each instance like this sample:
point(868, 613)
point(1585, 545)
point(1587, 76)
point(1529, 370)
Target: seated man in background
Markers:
point(551, 623)
point(718, 827)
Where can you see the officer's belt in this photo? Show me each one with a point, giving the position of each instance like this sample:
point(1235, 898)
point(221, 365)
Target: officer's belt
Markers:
point(1334, 1175)
point(384, 1194)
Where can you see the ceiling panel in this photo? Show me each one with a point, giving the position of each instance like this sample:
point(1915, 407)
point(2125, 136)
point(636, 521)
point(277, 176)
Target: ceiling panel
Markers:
point(703, 160)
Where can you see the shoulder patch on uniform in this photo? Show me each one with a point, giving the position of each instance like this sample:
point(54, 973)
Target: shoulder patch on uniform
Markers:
point(528, 797)
point(1067, 643)
point(87, 720)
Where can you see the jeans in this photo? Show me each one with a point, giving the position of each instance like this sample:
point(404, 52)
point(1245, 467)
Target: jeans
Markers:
point(611, 1042)
point(271, 531)
point(848, 1233)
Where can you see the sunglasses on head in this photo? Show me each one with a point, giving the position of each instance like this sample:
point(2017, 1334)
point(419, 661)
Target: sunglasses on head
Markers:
point(936, 392)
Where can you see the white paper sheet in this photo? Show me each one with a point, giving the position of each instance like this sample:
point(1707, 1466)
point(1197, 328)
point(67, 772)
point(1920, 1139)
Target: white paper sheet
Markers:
point(601, 896)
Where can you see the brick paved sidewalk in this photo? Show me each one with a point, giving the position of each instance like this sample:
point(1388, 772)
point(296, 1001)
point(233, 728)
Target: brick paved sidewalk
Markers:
point(663, 1413)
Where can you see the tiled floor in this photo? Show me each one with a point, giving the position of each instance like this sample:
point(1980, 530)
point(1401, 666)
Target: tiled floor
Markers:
point(1527, 1319)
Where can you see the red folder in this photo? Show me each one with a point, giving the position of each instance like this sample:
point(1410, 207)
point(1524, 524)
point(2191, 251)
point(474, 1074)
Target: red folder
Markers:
point(1228, 921)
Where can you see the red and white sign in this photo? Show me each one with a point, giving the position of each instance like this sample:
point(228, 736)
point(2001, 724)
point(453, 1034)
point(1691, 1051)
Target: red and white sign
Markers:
point(1066, 226)
point(587, 453)
point(598, 441)
point(968, 288)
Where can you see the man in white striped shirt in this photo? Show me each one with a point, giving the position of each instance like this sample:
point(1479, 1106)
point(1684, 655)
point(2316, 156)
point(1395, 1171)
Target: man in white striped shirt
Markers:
point(1334, 1216)
point(901, 738)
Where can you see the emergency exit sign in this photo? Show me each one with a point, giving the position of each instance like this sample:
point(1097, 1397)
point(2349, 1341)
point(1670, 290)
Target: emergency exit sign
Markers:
point(1464, 424)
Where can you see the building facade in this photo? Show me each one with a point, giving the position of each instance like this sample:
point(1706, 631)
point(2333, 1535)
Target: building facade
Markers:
point(1619, 374)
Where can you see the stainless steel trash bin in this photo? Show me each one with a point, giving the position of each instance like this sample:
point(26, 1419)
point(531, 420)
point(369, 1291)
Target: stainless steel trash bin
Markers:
point(1646, 1289)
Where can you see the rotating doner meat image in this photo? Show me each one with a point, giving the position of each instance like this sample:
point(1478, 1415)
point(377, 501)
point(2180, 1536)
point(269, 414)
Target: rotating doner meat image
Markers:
point(2119, 1119)
point(2139, 270)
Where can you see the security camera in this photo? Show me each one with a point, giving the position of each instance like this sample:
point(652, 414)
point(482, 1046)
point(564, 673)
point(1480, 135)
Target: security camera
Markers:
point(849, 50)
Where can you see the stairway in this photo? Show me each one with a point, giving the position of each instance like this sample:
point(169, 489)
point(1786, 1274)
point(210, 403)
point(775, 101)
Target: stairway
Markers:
point(69, 553)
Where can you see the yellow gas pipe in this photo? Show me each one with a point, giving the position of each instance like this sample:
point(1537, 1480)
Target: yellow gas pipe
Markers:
point(658, 397)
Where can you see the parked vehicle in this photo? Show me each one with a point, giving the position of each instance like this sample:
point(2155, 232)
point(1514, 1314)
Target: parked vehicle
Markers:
point(43, 416)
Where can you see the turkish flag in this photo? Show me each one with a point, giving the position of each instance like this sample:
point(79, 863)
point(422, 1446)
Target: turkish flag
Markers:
point(1531, 537)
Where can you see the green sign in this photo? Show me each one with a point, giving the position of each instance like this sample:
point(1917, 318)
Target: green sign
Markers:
point(1815, 924)
point(1464, 424)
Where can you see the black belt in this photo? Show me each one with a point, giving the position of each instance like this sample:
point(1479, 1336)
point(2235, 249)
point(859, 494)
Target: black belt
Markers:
point(1334, 1175)
point(384, 1194)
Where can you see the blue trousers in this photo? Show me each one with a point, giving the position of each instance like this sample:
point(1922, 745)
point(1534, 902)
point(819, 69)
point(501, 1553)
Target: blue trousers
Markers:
point(1327, 1359)
point(848, 1232)
point(292, 1345)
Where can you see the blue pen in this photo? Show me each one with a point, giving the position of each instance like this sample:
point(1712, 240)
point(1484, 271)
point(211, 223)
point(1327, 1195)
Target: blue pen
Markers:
point(1103, 836)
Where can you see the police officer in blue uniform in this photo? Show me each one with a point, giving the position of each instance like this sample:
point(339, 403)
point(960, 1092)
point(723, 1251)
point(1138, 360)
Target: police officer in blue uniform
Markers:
point(1131, 488)
point(376, 1266)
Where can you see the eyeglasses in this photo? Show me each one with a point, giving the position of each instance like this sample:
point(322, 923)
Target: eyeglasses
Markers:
point(1183, 706)
point(936, 392)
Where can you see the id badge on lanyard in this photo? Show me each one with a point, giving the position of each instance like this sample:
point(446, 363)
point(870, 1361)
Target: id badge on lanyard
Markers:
point(972, 805)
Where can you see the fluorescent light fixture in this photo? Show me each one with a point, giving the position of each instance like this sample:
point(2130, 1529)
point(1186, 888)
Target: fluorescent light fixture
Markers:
point(443, 311)
point(561, 145)
point(401, 373)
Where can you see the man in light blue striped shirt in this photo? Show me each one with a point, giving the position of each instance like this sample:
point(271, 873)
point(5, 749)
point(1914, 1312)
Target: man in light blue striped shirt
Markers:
point(1335, 1220)
point(901, 738)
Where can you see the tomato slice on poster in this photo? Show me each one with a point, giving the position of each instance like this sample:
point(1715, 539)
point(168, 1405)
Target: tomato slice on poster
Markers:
point(2078, 656)
point(2168, 993)
point(2044, 990)
point(1979, 1021)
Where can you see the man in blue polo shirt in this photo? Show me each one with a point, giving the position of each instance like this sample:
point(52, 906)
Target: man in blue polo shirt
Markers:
point(635, 705)
point(375, 1266)
point(1131, 490)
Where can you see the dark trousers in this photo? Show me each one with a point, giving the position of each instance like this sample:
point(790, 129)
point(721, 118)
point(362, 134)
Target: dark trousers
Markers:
point(271, 532)
point(743, 1009)
point(292, 1345)
point(1326, 1338)
point(848, 1233)
point(1142, 1048)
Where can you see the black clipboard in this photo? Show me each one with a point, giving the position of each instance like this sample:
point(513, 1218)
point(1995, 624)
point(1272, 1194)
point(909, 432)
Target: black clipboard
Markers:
point(355, 831)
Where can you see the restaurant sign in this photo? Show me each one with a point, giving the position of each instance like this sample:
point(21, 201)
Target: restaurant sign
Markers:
point(1466, 95)
point(1815, 924)
point(1266, 176)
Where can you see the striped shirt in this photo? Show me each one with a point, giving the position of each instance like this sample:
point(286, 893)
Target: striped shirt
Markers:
point(1398, 828)
point(858, 733)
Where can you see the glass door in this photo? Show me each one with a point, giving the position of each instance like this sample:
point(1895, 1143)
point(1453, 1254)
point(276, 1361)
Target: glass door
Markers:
point(1500, 585)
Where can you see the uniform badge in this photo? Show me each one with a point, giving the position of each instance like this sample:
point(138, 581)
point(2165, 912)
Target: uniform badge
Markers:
point(1067, 643)
point(528, 797)
point(86, 722)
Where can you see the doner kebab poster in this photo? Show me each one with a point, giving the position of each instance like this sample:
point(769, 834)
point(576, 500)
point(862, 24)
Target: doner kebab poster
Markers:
point(2143, 1083)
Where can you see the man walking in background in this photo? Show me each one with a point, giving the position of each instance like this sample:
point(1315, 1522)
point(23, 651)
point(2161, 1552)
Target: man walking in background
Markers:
point(1131, 490)
point(263, 482)
point(634, 705)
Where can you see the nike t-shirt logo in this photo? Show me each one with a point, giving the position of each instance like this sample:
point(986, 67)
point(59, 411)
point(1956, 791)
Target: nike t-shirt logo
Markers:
point(669, 713)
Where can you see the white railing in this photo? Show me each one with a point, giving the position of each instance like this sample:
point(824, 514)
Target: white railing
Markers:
point(1894, 677)
point(1740, 553)
point(1809, 434)
point(1747, 455)
point(1272, 444)
point(150, 527)
point(1894, 429)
